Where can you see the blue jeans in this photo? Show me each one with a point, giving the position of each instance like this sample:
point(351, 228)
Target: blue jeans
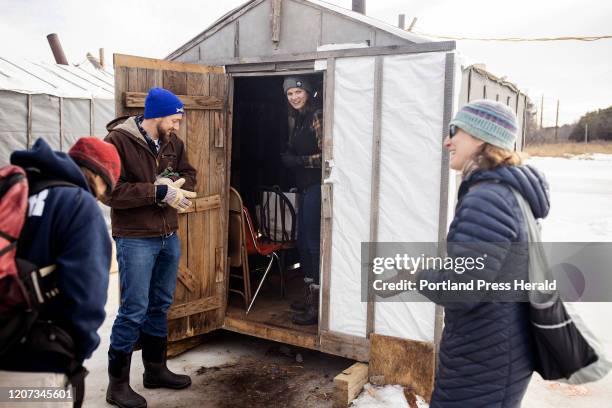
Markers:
point(309, 231)
point(147, 278)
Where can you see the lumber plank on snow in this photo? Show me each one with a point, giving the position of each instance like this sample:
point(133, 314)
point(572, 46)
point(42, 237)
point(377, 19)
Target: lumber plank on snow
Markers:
point(349, 383)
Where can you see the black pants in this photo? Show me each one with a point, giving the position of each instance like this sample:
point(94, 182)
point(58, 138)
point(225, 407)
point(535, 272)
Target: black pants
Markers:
point(309, 231)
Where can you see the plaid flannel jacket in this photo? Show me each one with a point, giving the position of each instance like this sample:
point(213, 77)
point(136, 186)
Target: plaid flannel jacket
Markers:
point(314, 160)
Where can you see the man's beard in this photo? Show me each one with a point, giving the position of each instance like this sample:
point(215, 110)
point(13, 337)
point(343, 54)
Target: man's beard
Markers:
point(162, 133)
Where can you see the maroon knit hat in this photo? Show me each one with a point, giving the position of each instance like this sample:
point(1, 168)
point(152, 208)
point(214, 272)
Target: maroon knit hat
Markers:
point(98, 156)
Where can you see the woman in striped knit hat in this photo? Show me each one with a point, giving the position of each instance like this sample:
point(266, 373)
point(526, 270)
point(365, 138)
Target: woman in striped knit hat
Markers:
point(486, 352)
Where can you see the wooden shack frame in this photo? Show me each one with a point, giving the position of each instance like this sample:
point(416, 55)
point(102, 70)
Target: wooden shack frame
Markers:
point(206, 85)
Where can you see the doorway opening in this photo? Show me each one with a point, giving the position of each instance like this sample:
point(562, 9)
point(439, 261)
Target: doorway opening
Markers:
point(261, 128)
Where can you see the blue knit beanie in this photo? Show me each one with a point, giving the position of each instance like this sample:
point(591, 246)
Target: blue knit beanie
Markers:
point(490, 121)
point(161, 102)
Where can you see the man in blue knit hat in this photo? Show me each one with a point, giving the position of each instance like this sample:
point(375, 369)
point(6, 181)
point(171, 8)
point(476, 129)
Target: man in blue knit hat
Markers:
point(156, 183)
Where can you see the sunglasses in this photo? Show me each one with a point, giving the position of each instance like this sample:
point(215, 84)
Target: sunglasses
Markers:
point(452, 131)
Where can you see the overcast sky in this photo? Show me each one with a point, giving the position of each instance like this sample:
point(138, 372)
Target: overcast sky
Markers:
point(579, 74)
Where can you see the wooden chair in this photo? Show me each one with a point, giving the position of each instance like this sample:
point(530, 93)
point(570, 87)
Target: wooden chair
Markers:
point(237, 251)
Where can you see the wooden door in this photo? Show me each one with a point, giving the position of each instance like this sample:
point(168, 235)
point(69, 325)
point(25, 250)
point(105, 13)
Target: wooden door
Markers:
point(201, 291)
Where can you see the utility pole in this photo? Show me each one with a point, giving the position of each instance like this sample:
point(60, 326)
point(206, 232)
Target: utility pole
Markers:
point(557, 122)
point(541, 111)
point(586, 133)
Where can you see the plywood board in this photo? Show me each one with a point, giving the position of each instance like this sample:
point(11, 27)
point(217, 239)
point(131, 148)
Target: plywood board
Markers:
point(405, 362)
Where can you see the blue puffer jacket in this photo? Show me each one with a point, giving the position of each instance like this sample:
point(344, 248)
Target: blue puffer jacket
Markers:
point(486, 348)
point(66, 229)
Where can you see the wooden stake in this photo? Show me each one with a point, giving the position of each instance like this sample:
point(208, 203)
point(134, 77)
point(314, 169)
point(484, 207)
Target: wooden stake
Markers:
point(414, 20)
point(276, 21)
point(101, 58)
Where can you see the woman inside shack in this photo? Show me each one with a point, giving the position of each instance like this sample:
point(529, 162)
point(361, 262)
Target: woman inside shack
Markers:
point(486, 351)
point(303, 158)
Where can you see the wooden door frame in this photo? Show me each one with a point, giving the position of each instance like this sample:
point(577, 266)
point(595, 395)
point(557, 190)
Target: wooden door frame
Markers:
point(259, 329)
point(329, 341)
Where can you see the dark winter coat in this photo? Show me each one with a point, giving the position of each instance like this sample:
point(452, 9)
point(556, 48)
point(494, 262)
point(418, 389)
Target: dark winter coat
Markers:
point(66, 229)
point(305, 145)
point(135, 210)
point(486, 355)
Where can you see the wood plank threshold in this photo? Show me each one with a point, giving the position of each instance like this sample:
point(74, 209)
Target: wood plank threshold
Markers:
point(271, 332)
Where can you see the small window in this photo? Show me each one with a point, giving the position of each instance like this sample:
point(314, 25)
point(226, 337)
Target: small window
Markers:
point(508, 101)
point(484, 92)
point(497, 98)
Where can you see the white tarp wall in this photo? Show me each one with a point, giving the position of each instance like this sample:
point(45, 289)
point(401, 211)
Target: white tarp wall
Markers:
point(409, 200)
point(35, 95)
point(77, 120)
point(14, 120)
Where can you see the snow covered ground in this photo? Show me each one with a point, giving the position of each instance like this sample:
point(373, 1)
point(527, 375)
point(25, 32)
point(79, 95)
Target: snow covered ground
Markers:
point(581, 210)
point(581, 198)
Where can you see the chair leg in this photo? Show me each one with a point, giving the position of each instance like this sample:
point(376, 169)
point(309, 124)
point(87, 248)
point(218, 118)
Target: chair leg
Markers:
point(281, 267)
point(272, 257)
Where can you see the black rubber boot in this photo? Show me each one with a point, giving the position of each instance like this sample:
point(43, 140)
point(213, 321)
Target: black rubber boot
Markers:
point(301, 304)
point(119, 392)
point(156, 373)
point(311, 315)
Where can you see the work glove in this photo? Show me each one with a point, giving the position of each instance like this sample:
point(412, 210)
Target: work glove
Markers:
point(291, 160)
point(175, 196)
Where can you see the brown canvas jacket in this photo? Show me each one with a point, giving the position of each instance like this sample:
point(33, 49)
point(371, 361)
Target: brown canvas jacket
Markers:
point(134, 212)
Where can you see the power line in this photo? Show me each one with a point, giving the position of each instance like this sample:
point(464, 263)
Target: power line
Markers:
point(519, 39)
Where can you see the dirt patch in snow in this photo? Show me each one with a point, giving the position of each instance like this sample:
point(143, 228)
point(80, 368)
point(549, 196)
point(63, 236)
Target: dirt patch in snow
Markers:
point(255, 383)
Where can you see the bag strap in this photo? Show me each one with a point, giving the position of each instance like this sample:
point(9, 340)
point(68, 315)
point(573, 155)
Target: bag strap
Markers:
point(40, 185)
point(539, 268)
point(9, 182)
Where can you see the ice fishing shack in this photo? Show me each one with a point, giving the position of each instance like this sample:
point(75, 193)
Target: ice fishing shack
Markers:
point(387, 97)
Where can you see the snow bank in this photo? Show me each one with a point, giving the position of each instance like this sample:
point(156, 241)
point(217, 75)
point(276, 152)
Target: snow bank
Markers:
point(389, 396)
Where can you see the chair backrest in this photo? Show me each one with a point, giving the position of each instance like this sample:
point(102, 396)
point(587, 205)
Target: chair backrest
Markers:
point(236, 229)
point(251, 234)
point(277, 216)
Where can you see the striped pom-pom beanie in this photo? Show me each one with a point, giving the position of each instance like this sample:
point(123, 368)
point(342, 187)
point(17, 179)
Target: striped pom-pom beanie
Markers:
point(490, 121)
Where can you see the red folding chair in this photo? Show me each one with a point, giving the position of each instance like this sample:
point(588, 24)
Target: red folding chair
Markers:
point(256, 245)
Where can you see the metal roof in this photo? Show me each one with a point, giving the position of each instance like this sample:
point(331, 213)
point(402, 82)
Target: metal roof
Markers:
point(381, 25)
point(68, 81)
